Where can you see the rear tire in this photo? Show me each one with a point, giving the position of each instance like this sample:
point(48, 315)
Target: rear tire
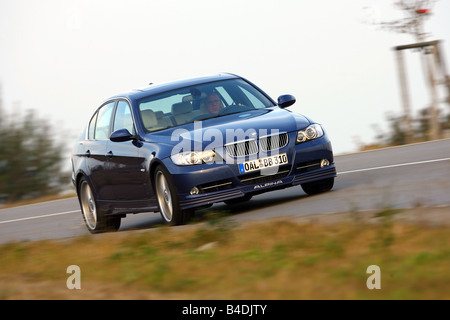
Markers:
point(95, 220)
point(167, 197)
point(317, 187)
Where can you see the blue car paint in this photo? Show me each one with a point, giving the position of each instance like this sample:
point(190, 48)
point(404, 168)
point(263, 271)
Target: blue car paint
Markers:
point(154, 148)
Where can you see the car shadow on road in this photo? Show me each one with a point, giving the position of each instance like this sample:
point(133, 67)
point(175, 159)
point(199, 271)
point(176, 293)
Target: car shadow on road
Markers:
point(265, 201)
point(259, 202)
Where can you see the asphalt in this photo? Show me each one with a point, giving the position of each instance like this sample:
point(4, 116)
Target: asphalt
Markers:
point(412, 176)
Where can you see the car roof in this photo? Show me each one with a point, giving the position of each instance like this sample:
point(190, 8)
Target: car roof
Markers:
point(152, 89)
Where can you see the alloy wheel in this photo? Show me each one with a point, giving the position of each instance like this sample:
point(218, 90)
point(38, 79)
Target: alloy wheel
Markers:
point(164, 196)
point(88, 205)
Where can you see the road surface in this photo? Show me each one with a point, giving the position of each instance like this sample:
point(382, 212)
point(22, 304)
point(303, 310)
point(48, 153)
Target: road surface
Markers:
point(397, 177)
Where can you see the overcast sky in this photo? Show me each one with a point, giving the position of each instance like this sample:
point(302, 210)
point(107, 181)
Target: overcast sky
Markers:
point(64, 57)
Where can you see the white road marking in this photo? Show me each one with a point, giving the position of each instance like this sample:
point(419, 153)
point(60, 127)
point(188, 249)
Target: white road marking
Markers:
point(38, 217)
point(394, 166)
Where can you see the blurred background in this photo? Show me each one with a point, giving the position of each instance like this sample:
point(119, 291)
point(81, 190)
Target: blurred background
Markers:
point(59, 59)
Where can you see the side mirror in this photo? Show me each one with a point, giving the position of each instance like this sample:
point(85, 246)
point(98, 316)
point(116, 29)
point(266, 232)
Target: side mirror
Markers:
point(286, 100)
point(121, 135)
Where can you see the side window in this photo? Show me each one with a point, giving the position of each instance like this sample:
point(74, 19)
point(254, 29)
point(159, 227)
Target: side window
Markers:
point(103, 121)
point(123, 118)
point(92, 126)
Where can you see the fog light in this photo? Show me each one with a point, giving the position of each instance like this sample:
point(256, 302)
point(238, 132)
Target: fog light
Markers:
point(194, 191)
point(324, 163)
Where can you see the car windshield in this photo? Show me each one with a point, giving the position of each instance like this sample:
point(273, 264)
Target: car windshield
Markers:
point(200, 102)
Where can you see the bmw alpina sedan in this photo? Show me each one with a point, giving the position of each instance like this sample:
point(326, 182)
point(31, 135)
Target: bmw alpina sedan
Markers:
point(178, 146)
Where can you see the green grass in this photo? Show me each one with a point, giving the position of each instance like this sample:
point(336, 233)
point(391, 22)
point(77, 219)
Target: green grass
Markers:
point(276, 259)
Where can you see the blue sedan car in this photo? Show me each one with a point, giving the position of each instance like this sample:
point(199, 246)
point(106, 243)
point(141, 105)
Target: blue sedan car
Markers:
point(178, 146)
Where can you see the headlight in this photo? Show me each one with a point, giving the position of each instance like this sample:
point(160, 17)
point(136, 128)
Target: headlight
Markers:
point(314, 131)
point(193, 157)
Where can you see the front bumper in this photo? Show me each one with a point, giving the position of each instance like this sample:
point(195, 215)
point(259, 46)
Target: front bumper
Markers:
point(192, 201)
point(221, 182)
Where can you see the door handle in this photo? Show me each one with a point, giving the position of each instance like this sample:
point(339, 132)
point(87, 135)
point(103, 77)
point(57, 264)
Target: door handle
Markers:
point(110, 154)
point(88, 153)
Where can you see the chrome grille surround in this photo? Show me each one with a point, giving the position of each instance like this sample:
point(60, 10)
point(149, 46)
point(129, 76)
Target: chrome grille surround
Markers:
point(273, 142)
point(242, 148)
point(249, 147)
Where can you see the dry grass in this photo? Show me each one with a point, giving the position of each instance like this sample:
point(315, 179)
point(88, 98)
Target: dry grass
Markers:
point(217, 259)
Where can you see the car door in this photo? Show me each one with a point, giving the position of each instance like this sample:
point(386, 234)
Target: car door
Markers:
point(127, 168)
point(95, 151)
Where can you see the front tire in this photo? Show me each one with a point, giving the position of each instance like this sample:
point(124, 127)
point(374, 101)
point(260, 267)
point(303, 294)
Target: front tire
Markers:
point(316, 187)
point(168, 199)
point(95, 220)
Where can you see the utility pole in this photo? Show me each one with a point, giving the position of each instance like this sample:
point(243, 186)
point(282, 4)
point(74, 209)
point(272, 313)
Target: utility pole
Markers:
point(429, 66)
point(434, 113)
point(431, 60)
point(405, 96)
point(416, 12)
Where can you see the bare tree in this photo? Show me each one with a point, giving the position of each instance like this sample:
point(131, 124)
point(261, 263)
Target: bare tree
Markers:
point(415, 12)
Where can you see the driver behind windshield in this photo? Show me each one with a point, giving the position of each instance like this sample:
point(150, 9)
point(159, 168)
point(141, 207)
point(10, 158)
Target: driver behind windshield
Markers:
point(213, 103)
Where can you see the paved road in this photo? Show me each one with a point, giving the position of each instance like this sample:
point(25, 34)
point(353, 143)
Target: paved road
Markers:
point(399, 177)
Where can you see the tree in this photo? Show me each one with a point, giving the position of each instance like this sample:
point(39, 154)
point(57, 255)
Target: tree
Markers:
point(396, 134)
point(415, 12)
point(30, 157)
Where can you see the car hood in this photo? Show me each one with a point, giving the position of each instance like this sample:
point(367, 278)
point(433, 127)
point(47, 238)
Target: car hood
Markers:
point(233, 127)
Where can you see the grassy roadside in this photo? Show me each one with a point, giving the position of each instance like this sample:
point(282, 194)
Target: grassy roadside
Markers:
point(219, 259)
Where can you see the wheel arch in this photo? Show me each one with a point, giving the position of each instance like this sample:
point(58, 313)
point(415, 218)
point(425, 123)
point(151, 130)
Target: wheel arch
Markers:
point(80, 175)
point(155, 163)
point(77, 181)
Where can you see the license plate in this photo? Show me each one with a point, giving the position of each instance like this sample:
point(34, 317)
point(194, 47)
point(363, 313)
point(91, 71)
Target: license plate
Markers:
point(263, 163)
